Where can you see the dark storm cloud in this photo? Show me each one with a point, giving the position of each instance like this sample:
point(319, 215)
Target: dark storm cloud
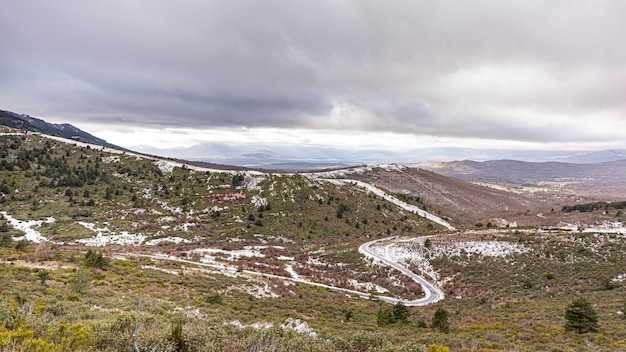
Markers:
point(523, 70)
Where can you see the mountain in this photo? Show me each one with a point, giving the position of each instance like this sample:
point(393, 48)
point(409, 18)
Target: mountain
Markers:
point(308, 157)
point(65, 130)
point(597, 157)
point(603, 180)
point(97, 245)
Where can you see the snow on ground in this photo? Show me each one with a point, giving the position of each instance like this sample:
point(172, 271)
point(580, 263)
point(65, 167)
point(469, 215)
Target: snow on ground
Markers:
point(258, 201)
point(30, 234)
point(410, 207)
point(367, 286)
point(166, 219)
point(301, 327)
point(166, 166)
point(252, 182)
point(185, 226)
point(175, 240)
point(481, 248)
point(620, 278)
point(607, 227)
point(411, 252)
point(105, 237)
point(248, 251)
point(408, 254)
point(293, 273)
point(123, 238)
point(355, 170)
point(111, 159)
point(298, 326)
point(602, 227)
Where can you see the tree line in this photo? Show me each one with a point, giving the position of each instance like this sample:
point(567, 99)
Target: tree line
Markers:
point(590, 207)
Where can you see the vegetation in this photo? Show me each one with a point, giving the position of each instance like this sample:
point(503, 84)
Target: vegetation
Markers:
point(63, 294)
point(440, 320)
point(581, 317)
point(589, 207)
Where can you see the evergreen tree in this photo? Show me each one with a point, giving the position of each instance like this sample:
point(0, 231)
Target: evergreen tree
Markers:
point(95, 259)
point(581, 317)
point(401, 313)
point(440, 320)
point(385, 316)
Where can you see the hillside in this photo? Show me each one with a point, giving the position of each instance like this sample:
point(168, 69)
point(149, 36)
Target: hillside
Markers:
point(32, 124)
point(243, 260)
point(463, 202)
point(603, 180)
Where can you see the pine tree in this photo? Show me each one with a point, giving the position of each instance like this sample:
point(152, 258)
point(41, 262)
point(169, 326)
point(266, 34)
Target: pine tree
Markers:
point(385, 316)
point(581, 317)
point(440, 321)
point(401, 313)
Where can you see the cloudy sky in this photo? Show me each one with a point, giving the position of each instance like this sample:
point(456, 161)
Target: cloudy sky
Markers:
point(393, 74)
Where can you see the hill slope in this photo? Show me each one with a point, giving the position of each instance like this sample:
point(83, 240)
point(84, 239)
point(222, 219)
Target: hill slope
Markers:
point(463, 202)
point(599, 180)
point(242, 260)
point(32, 124)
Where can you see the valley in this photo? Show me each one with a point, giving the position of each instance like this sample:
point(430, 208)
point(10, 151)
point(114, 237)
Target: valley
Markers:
point(90, 231)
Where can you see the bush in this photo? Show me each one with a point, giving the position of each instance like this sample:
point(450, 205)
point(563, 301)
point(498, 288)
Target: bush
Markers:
point(438, 348)
point(581, 317)
point(214, 298)
point(401, 313)
point(95, 259)
point(384, 316)
point(440, 321)
point(177, 337)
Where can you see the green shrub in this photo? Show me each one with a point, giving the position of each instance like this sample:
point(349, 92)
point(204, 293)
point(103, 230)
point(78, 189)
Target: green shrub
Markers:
point(581, 317)
point(440, 321)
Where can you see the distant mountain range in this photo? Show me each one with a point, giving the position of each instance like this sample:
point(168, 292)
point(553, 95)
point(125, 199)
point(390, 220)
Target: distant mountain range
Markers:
point(602, 179)
point(296, 157)
point(65, 130)
point(306, 157)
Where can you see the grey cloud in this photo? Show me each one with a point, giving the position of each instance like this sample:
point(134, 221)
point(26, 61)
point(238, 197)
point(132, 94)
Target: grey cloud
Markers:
point(406, 66)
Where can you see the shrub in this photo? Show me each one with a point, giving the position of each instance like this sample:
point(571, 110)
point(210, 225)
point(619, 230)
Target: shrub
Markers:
point(177, 336)
point(440, 321)
point(384, 316)
point(438, 348)
point(214, 298)
point(95, 259)
point(581, 317)
point(401, 313)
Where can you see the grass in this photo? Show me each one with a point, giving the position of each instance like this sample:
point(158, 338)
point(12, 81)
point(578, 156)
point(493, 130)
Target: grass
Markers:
point(512, 303)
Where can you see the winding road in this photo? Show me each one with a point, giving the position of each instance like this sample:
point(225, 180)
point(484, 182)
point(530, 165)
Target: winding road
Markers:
point(432, 293)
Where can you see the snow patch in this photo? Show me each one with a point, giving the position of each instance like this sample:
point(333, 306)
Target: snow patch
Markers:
point(105, 237)
point(110, 159)
point(124, 238)
point(483, 248)
point(301, 327)
point(175, 240)
point(30, 234)
point(258, 201)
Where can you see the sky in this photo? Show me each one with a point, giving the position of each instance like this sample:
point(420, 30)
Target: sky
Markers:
point(352, 73)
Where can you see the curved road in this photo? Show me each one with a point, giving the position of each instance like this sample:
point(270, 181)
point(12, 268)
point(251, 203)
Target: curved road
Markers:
point(431, 292)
